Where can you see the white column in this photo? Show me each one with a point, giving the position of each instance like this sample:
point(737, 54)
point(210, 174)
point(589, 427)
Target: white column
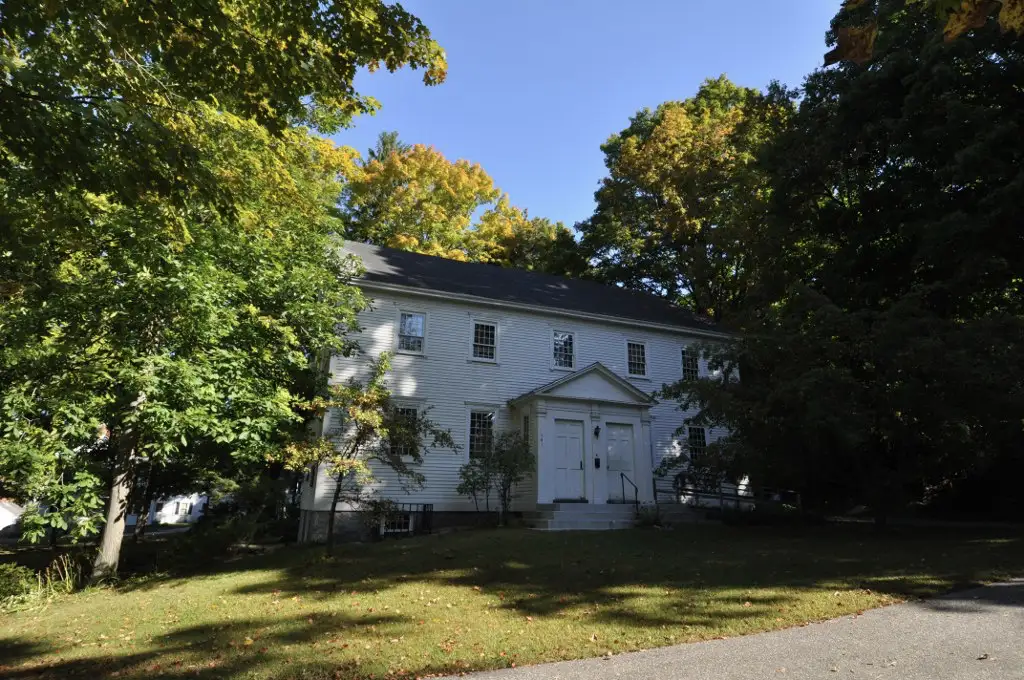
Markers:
point(545, 493)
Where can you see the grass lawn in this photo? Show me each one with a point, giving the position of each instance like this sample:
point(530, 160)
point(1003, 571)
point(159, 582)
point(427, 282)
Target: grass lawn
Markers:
point(487, 599)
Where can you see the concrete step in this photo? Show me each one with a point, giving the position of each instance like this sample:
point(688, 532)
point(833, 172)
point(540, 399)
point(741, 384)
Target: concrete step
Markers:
point(556, 514)
point(588, 508)
point(561, 524)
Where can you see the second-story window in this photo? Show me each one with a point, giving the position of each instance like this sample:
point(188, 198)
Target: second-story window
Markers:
point(636, 358)
point(411, 329)
point(485, 340)
point(690, 367)
point(564, 350)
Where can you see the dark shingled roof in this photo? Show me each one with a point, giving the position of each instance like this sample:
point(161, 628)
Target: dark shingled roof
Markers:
point(401, 268)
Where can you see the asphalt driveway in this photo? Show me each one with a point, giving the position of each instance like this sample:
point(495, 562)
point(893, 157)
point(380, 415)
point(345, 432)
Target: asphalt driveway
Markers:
point(970, 635)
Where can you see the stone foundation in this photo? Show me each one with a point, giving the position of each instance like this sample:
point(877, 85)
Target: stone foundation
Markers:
point(352, 525)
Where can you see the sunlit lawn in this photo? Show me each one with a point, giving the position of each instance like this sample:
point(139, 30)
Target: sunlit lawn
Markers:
point(487, 599)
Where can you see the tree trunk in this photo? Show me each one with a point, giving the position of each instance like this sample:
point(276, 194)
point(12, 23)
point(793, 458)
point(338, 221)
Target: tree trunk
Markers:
point(330, 518)
point(109, 553)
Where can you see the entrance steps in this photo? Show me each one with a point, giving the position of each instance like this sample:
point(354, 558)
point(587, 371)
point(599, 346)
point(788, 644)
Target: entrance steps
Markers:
point(580, 516)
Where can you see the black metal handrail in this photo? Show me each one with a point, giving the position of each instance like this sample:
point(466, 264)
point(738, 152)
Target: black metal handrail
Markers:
point(723, 495)
point(636, 492)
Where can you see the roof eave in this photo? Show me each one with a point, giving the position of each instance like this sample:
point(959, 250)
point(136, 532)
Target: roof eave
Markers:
point(476, 299)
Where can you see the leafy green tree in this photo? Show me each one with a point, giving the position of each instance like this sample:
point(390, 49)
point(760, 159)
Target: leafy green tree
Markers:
point(166, 326)
point(883, 359)
point(684, 196)
point(509, 237)
point(387, 144)
point(858, 27)
point(371, 433)
point(506, 463)
point(151, 151)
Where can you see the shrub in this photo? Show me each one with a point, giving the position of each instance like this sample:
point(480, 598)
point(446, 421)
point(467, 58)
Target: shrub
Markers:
point(648, 515)
point(16, 580)
point(507, 463)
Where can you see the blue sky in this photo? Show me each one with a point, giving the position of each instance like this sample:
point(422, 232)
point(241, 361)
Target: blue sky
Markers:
point(536, 86)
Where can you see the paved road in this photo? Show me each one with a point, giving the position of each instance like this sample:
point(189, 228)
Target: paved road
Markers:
point(971, 635)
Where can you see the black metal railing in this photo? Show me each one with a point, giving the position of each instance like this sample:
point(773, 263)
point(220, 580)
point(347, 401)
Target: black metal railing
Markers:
point(724, 495)
point(623, 479)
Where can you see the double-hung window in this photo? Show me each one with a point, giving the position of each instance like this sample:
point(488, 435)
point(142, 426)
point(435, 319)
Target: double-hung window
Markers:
point(481, 432)
point(696, 441)
point(690, 366)
point(412, 328)
point(402, 435)
point(564, 349)
point(485, 340)
point(636, 359)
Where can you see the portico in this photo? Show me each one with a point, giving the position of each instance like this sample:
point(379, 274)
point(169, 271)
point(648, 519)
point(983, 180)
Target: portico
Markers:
point(591, 430)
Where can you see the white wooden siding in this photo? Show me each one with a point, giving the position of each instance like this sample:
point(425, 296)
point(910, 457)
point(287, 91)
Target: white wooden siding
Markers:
point(447, 381)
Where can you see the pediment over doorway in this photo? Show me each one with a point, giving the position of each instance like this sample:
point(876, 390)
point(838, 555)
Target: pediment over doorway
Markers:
point(596, 382)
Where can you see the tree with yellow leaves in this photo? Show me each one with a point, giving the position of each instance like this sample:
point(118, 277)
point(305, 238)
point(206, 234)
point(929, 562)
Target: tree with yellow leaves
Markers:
point(413, 198)
point(683, 196)
point(859, 23)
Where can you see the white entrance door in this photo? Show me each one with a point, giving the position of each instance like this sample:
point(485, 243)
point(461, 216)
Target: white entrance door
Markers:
point(568, 454)
point(620, 460)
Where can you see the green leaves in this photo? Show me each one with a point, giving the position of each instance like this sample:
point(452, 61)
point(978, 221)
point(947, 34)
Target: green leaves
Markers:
point(169, 333)
point(170, 274)
point(882, 357)
point(684, 197)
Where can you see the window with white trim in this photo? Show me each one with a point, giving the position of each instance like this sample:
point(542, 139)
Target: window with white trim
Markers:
point(696, 441)
point(691, 368)
point(402, 437)
point(412, 328)
point(564, 349)
point(636, 358)
point(481, 432)
point(485, 340)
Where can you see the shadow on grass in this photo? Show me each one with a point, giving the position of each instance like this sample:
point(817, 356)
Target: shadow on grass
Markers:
point(542, 573)
point(228, 650)
point(706, 578)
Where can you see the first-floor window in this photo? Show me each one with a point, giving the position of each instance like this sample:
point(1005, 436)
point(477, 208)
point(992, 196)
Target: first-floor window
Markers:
point(564, 350)
point(402, 437)
point(481, 432)
point(485, 340)
point(696, 441)
point(636, 358)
